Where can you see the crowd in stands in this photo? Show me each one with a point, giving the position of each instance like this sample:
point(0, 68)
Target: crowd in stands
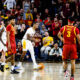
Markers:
point(51, 16)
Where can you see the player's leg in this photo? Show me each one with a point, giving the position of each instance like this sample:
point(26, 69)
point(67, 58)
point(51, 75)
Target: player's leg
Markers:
point(73, 56)
point(22, 56)
point(3, 50)
point(21, 60)
point(65, 57)
point(31, 50)
point(13, 71)
point(24, 49)
point(3, 57)
point(65, 65)
point(72, 68)
point(2, 61)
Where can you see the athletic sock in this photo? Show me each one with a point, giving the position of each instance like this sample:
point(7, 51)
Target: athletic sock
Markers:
point(12, 68)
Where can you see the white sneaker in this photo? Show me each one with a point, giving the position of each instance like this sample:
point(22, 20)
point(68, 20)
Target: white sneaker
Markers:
point(66, 75)
point(36, 67)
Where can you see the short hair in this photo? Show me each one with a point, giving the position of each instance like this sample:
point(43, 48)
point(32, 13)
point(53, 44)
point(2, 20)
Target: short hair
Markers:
point(71, 19)
point(11, 17)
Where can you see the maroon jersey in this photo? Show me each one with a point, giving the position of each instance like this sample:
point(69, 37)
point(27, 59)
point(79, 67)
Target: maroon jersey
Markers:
point(69, 34)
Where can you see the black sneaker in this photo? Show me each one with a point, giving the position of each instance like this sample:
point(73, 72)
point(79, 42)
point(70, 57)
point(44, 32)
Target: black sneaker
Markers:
point(14, 72)
point(2, 68)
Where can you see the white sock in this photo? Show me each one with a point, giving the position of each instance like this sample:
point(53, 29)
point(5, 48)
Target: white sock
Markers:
point(12, 67)
point(33, 59)
point(3, 63)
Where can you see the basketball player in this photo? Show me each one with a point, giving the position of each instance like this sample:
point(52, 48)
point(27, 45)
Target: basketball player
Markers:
point(27, 42)
point(3, 48)
point(70, 33)
point(11, 44)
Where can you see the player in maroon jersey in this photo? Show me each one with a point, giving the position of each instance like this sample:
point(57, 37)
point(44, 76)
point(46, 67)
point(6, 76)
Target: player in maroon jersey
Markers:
point(70, 33)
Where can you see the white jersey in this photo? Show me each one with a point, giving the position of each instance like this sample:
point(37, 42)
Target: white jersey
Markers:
point(4, 39)
point(3, 34)
point(29, 31)
point(10, 3)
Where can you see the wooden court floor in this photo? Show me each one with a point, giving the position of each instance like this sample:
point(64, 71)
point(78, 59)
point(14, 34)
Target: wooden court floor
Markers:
point(52, 71)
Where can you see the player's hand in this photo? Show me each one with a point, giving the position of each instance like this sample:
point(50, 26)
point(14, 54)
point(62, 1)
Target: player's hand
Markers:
point(62, 39)
point(9, 47)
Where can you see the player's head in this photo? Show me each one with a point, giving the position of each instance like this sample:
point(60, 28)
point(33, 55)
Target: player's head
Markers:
point(12, 20)
point(70, 21)
point(35, 25)
point(46, 34)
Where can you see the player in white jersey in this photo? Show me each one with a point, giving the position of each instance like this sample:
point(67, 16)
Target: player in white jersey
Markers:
point(27, 43)
point(3, 48)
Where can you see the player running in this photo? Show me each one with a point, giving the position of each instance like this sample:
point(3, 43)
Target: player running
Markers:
point(70, 33)
point(27, 42)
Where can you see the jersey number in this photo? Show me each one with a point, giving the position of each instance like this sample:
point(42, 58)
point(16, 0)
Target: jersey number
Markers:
point(68, 33)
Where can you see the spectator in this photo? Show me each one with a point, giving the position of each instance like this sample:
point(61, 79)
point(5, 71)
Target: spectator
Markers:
point(55, 53)
point(39, 20)
point(20, 32)
point(4, 10)
point(47, 43)
point(10, 4)
point(19, 51)
point(55, 28)
point(43, 30)
point(29, 19)
point(48, 22)
point(45, 14)
point(35, 12)
point(66, 12)
point(26, 6)
point(29, 14)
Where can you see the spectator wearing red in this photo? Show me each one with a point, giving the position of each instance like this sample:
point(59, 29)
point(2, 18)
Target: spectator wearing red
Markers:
point(48, 24)
point(55, 28)
point(29, 21)
point(38, 19)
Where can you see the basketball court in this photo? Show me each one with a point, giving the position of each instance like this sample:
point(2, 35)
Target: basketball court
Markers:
point(52, 71)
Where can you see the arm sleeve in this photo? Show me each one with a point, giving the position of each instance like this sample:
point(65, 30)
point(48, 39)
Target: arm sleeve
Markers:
point(61, 30)
point(77, 31)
